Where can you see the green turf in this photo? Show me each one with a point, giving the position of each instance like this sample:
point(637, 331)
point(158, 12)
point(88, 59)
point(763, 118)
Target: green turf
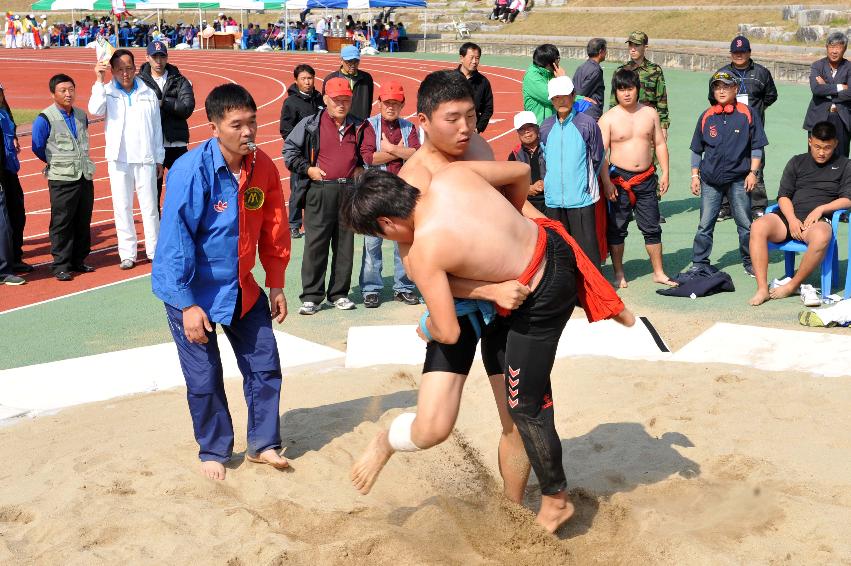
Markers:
point(24, 115)
point(127, 315)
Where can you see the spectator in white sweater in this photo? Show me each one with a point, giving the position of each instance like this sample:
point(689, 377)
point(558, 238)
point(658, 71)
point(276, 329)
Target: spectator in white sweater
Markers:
point(134, 150)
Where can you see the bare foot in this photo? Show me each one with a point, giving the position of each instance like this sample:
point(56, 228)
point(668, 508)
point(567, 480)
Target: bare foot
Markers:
point(663, 279)
point(620, 281)
point(270, 457)
point(213, 470)
point(760, 297)
point(783, 291)
point(555, 511)
point(365, 471)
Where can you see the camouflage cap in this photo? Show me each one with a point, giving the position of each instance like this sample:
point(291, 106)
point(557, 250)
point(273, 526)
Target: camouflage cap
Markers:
point(637, 37)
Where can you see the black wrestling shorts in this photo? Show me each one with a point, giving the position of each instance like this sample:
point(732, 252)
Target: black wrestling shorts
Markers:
point(454, 358)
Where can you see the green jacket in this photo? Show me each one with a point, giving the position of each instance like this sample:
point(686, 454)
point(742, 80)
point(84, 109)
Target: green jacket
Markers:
point(653, 92)
point(535, 96)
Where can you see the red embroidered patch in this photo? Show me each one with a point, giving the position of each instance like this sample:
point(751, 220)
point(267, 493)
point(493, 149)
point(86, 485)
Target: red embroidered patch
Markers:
point(220, 206)
point(713, 132)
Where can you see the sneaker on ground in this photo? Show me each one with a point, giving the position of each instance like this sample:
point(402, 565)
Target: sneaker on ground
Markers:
point(757, 213)
point(809, 296)
point(12, 280)
point(371, 300)
point(775, 283)
point(406, 297)
point(126, 264)
point(812, 319)
point(308, 308)
point(295, 234)
point(344, 304)
point(749, 271)
point(724, 215)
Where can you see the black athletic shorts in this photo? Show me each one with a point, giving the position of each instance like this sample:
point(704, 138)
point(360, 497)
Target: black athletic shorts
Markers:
point(782, 217)
point(458, 357)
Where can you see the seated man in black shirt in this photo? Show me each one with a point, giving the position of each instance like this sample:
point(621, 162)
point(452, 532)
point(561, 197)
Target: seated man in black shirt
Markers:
point(813, 186)
point(530, 152)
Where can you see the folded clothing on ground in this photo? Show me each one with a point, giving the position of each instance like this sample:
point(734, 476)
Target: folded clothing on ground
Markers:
point(700, 281)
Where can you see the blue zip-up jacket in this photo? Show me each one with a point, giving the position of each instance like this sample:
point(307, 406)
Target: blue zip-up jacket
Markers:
point(573, 151)
point(7, 130)
point(213, 229)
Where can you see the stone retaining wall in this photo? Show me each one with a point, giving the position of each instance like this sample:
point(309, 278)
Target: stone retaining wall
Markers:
point(668, 58)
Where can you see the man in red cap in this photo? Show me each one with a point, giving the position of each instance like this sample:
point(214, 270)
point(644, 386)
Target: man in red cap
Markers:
point(396, 139)
point(330, 148)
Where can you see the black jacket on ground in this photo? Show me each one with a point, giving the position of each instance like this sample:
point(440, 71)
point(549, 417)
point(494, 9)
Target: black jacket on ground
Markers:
point(482, 98)
point(298, 105)
point(757, 82)
point(362, 92)
point(178, 102)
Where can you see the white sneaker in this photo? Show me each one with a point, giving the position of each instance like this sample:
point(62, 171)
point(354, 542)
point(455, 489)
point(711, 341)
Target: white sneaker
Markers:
point(126, 264)
point(775, 283)
point(809, 296)
point(344, 304)
point(308, 308)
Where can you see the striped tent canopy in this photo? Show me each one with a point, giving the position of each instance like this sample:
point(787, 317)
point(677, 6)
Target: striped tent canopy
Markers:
point(106, 5)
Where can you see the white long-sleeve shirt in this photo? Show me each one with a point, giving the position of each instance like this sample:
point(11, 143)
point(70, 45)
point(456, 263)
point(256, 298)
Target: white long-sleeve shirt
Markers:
point(133, 129)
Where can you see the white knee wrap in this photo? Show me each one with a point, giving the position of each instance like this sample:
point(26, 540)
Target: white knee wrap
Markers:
point(400, 433)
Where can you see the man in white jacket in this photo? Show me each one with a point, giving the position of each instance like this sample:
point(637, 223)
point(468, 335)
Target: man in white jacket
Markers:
point(134, 150)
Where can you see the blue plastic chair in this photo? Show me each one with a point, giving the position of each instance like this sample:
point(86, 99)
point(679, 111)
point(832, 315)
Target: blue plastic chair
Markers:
point(830, 263)
point(847, 294)
point(311, 39)
point(391, 43)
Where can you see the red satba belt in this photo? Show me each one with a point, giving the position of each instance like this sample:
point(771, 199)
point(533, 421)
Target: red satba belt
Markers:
point(596, 295)
point(628, 184)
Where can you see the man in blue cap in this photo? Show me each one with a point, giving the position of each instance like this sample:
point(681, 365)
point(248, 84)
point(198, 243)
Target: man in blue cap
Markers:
point(757, 90)
point(359, 81)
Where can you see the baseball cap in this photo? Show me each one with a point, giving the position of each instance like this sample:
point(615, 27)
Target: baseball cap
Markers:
point(391, 90)
point(157, 48)
point(349, 52)
point(637, 37)
point(723, 77)
point(523, 118)
point(740, 44)
point(559, 86)
point(338, 86)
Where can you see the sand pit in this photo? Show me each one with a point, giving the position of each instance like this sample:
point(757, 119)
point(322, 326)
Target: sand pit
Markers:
point(668, 463)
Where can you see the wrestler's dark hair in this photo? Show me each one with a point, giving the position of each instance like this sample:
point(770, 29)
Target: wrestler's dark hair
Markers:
point(377, 193)
point(625, 79)
point(439, 87)
point(823, 131)
point(56, 80)
point(467, 46)
point(225, 98)
point(118, 54)
point(545, 55)
point(303, 68)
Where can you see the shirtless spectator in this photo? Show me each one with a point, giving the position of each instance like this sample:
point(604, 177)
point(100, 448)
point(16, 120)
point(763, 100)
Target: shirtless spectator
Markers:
point(631, 131)
point(813, 186)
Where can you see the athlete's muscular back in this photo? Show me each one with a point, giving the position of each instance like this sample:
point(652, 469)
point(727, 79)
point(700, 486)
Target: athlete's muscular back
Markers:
point(465, 227)
point(631, 136)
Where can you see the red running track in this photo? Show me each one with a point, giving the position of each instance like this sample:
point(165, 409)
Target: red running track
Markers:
point(265, 75)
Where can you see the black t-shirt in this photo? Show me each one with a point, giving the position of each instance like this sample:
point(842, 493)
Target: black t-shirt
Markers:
point(532, 159)
point(810, 185)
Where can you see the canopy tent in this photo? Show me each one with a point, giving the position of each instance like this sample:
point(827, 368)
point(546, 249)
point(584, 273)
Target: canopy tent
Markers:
point(354, 4)
point(106, 5)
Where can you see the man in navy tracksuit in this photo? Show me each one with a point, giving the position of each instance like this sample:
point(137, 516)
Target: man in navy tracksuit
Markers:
point(726, 154)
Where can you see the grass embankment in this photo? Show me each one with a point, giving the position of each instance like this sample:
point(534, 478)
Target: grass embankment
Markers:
point(718, 25)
